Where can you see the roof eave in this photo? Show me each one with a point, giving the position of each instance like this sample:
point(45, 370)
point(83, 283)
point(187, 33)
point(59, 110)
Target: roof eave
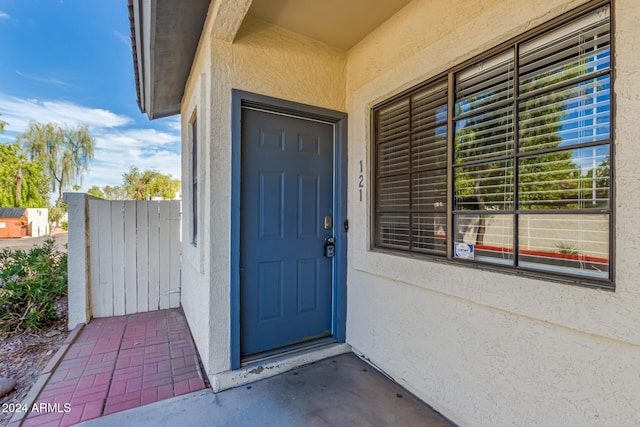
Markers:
point(162, 59)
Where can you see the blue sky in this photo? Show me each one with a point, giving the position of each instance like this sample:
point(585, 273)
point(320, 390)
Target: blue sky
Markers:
point(69, 62)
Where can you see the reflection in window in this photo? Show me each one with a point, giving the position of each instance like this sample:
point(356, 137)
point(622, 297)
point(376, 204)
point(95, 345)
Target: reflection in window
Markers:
point(528, 185)
point(487, 186)
point(579, 49)
point(574, 115)
point(490, 235)
point(557, 163)
point(575, 179)
point(485, 84)
point(570, 243)
point(484, 136)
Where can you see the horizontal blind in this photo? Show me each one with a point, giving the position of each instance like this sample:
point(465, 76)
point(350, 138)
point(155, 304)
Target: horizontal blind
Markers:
point(393, 120)
point(531, 157)
point(574, 115)
point(565, 243)
point(580, 48)
point(485, 84)
point(487, 135)
point(564, 149)
point(411, 171)
point(483, 134)
point(428, 190)
point(574, 179)
point(487, 186)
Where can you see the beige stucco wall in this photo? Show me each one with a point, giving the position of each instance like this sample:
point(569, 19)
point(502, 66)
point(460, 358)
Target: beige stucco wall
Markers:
point(266, 60)
point(484, 348)
point(488, 348)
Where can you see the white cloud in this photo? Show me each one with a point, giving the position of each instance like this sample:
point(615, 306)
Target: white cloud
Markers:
point(108, 166)
point(4, 15)
point(174, 123)
point(18, 112)
point(123, 38)
point(149, 138)
point(119, 145)
point(117, 150)
point(43, 79)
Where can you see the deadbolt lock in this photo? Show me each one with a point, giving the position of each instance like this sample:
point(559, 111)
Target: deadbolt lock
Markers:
point(328, 222)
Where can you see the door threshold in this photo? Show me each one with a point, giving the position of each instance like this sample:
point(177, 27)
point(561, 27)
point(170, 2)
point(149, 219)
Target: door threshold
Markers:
point(265, 356)
point(276, 364)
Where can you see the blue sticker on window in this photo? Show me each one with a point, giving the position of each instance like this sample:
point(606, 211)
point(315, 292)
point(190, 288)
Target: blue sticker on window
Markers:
point(463, 250)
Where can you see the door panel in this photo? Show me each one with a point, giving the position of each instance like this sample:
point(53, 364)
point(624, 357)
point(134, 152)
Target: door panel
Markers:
point(286, 191)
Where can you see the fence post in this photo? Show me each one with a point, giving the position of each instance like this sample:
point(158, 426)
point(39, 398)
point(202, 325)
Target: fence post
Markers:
point(79, 267)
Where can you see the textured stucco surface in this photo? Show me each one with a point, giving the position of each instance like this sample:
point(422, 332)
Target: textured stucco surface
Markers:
point(266, 60)
point(482, 347)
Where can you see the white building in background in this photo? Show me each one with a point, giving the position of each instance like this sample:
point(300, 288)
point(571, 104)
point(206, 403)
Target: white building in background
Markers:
point(38, 222)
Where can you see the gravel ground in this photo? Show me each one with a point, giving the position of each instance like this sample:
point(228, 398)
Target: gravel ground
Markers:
point(22, 357)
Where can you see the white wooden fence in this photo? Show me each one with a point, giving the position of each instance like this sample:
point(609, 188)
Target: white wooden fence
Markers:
point(134, 256)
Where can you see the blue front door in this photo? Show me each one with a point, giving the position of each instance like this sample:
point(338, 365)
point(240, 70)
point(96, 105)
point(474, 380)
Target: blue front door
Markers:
point(286, 212)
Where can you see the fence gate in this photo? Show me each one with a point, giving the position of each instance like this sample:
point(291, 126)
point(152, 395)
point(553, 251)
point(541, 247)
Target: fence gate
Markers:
point(134, 250)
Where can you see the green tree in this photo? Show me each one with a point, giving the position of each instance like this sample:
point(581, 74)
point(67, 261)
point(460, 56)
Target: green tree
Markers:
point(596, 190)
point(2, 125)
point(115, 192)
point(56, 213)
point(546, 181)
point(63, 152)
point(22, 182)
point(96, 191)
point(144, 185)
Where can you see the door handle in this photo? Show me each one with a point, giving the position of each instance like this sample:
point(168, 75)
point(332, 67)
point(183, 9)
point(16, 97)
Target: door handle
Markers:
point(329, 247)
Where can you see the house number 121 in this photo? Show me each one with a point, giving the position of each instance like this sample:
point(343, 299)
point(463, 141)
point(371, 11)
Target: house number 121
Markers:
point(361, 180)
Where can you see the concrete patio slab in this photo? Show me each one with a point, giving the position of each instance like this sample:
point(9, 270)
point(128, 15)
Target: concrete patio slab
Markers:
point(338, 391)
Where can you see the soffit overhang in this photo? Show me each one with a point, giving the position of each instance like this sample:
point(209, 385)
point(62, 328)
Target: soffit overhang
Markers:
point(338, 23)
point(164, 40)
point(165, 35)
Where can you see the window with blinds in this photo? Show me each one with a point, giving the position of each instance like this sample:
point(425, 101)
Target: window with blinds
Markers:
point(411, 171)
point(529, 175)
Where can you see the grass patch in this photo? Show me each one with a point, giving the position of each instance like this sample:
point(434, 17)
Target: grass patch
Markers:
point(30, 284)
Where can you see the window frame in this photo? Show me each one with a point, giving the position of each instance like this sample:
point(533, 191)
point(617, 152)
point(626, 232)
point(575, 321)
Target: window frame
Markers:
point(450, 77)
point(194, 176)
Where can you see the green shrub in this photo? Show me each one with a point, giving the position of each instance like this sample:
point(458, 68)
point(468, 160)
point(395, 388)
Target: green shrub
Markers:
point(30, 283)
point(566, 248)
point(64, 225)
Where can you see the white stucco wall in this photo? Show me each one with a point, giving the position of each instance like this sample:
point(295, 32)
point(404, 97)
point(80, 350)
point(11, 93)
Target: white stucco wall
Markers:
point(195, 296)
point(482, 347)
point(266, 60)
point(38, 222)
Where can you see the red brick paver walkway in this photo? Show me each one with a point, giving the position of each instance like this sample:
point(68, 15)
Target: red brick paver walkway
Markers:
point(119, 363)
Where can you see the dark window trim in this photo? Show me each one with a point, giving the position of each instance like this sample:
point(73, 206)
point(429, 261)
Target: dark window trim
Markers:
point(557, 277)
point(194, 178)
